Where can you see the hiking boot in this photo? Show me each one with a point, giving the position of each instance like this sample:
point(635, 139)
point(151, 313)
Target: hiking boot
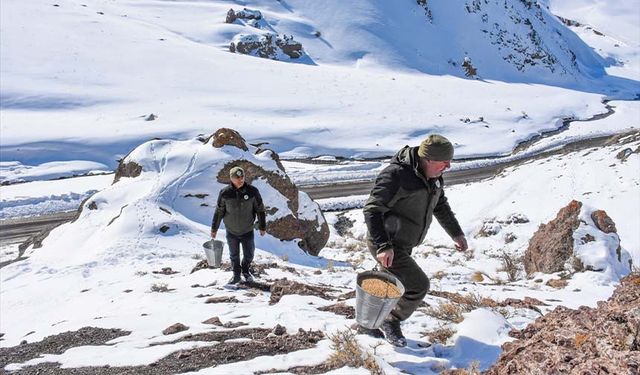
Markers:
point(247, 276)
point(375, 333)
point(393, 333)
point(234, 280)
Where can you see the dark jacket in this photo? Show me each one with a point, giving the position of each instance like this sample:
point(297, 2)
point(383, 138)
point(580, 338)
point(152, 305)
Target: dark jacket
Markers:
point(402, 204)
point(239, 208)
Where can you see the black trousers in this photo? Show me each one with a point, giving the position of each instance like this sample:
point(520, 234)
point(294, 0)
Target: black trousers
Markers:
point(414, 280)
point(248, 249)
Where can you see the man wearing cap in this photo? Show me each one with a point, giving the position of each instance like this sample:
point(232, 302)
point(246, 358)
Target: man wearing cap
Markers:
point(238, 205)
point(405, 197)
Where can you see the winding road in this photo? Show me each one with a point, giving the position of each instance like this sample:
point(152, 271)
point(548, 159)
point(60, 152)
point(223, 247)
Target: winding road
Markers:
point(18, 230)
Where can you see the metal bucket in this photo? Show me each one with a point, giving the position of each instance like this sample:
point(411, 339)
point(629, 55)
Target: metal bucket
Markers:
point(213, 250)
point(371, 310)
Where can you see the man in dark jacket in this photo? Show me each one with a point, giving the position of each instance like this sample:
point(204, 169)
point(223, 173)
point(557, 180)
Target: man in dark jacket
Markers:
point(238, 205)
point(405, 197)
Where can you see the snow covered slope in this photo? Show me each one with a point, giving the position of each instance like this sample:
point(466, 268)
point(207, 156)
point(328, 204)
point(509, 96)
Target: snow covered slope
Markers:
point(79, 78)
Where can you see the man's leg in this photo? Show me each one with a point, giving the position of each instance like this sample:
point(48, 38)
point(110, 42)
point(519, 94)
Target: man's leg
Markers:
point(234, 255)
point(248, 249)
point(416, 285)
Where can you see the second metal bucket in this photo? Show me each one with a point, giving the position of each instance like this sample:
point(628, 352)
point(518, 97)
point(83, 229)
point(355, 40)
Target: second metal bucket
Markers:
point(371, 310)
point(213, 251)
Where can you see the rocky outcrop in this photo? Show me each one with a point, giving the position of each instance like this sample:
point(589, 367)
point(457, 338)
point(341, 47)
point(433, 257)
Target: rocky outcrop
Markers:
point(245, 14)
point(604, 340)
point(226, 136)
point(578, 239)
point(128, 169)
point(552, 245)
point(312, 232)
point(268, 46)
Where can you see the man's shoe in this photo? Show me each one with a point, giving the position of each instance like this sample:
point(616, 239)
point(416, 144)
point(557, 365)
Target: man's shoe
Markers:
point(375, 333)
point(393, 333)
point(248, 278)
point(234, 280)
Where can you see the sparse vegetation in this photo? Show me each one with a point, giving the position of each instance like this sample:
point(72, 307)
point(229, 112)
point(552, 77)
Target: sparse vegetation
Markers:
point(439, 335)
point(160, 288)
point(347, 352)
point(510, 265)
point(450, 312)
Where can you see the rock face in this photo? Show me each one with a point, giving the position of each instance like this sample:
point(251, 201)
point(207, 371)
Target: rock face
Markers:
point(552, 245)
point(313, 232)
point(127, 169)
point(578, 239)
point(604, 340)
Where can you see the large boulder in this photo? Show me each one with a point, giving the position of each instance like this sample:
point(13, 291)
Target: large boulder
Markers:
point(186, 177)
point(578, 239)
point(604, 340)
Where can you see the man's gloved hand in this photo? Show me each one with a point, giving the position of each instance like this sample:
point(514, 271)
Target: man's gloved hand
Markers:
point(214, 233)
point(385, 258)
point(461, 243)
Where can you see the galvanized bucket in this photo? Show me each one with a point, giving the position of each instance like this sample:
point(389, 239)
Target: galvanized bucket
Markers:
point(213, 250)
point(371, 310)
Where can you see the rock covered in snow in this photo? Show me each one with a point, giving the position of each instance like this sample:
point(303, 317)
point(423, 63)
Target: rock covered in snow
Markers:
point(187, 176)
point(604, 340)
point(268, 46)
point(578, 239)
point(244, 14)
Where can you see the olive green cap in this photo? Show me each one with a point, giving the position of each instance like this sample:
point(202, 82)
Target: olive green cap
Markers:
point(436, 147)
point(236, 172)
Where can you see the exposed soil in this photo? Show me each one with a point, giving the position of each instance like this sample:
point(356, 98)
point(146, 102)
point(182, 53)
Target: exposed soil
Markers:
point(58, 344)
point(261, 344)
point(283, 287)
point(340, 309)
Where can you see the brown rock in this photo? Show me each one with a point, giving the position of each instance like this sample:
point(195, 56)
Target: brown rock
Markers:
point(279, 330)
point(231, 16)
point(214, 320)
point(226, 136)
point(557, 283)
point(603, 221)
point(552, 245)
point(604, 340)
point(178, 327)
point(129, 169)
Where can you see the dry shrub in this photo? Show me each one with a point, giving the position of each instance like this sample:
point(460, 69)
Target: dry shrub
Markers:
point(160, 288)
point(510, 265)
point(439, 275)
point(439, 335)
point(347, 352)
point(477, 277)
point(354, 246)
point(450, 312)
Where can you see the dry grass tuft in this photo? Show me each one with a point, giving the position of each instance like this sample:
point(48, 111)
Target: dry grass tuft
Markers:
point(347, 352)
point(450, 312)
point(477, 277)
point(160, 288)
point(439, 335)
point(510, 265)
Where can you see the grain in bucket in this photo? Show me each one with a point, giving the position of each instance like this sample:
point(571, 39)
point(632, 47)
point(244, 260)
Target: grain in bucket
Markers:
point(377, 293)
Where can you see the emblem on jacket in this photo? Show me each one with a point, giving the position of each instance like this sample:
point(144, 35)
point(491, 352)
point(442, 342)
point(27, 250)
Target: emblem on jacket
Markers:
point(246, 197)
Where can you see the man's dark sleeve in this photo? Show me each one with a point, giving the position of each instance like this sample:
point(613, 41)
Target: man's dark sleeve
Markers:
point(258, 207)
point(446, 217)
point(221, 210)
point(380, 201)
